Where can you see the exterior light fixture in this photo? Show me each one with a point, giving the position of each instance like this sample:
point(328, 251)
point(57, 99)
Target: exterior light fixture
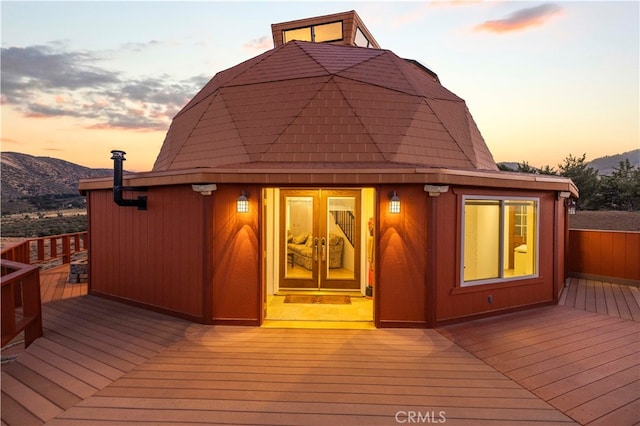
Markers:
point(394, 203)
point(242, 205)
point(569, 202)
point(204, 188)
point(436, 190)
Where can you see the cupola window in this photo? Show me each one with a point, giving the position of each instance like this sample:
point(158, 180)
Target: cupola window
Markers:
point(317, 33)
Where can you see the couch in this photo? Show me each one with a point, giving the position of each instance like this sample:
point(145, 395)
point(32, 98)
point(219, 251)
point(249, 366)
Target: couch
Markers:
point(300, 250)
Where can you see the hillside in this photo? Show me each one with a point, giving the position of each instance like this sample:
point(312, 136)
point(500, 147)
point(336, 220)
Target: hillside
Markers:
point(604, 165)
point(33, 183)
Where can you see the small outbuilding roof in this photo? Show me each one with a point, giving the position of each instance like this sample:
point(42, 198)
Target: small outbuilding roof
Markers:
point(315, 105)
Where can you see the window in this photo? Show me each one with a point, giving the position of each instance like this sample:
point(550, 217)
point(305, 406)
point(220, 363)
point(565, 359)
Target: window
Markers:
point(327, 32)
point(361, 40)
point(318, 33)
point(499, 239)
point(303, 34)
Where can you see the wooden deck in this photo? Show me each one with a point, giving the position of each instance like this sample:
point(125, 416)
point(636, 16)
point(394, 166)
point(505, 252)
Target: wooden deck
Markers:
point(102, 362)
point(54, 285)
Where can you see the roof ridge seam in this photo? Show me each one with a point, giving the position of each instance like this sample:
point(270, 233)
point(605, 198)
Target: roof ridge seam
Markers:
point(380, 53)
point(218, 75)
point(294, 118)
point(204, 111)
point(443, 122)
point(358, 118)
point(265, 56)
point(299, 46)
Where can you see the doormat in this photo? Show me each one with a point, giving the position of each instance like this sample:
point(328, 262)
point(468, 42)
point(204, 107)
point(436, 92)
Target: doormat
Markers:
point(318, 299)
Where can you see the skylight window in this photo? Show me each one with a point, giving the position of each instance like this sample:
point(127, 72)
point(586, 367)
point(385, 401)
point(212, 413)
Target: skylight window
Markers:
point(361, 40)
point(317, 33)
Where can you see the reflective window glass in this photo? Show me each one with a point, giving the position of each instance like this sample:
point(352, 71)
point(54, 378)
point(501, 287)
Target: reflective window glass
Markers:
point(500, 239)
point(327, 32)
point(361, 40)
point(303, 34)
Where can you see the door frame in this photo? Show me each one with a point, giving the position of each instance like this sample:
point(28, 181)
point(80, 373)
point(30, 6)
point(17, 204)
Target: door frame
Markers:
point(317, 246)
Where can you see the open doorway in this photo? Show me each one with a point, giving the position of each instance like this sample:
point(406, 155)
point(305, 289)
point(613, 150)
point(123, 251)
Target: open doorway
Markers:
point(318, 255)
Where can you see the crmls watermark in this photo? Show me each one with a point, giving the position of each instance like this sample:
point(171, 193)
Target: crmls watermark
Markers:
point(421, 417)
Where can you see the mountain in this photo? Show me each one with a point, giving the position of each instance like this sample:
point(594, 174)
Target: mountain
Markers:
point(604, 165)
point(31, 183)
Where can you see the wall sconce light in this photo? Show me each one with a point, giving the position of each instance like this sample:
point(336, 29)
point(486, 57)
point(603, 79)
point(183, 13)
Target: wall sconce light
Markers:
point(394, 203)
point(571, 205)
point(242, 205)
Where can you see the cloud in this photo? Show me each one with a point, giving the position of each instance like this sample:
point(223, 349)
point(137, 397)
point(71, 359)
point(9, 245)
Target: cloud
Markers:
point(259, 44)
point(8, 140)
point(47, 81)
point(521, 19)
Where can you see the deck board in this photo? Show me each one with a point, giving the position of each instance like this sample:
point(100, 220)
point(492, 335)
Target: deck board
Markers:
point(592, 374)
point(103, 362)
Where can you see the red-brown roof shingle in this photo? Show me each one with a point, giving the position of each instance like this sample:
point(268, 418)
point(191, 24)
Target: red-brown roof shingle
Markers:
point(319, 103)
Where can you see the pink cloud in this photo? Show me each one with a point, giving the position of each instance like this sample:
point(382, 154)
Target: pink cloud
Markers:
point(521, 19)
point(259, 44)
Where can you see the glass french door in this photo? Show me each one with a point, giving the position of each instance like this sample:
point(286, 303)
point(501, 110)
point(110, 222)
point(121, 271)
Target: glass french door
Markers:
point(319, 239)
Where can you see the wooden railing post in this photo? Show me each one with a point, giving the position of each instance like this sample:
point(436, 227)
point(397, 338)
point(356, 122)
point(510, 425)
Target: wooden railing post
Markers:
point(21, 281)
point(44, 249)
point(40, 243)
point(66, 249)
point(33, 309)
point(8, 311)
point(76, 243)
point(53, 247)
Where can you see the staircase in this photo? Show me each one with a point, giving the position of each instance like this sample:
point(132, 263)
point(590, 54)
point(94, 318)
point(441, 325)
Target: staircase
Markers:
point(347, 222)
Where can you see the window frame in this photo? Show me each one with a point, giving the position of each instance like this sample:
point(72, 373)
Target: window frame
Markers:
point(311, 28)
point(503, 200)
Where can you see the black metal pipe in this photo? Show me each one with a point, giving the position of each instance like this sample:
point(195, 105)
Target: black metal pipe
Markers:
point(118, 189)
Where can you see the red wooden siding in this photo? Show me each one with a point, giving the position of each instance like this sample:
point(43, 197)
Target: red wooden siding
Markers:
point(236, 264)
point(561, 236)
point(153, 257)
point(611, 254)
point(400, 290)
point(454, 302)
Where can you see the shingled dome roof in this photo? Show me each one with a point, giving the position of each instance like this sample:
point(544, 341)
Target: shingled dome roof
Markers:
point(318, 105)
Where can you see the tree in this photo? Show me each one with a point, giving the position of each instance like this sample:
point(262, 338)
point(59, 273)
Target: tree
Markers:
point(524, 167)
point(585, 178)
point(621, 190)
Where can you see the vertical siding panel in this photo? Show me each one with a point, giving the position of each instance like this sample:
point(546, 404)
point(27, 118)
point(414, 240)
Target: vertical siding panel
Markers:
point(401, 292)
point(632, 263)
point(152, 257)
point(456, 302)
point(236, 266)
point(604, 260)
point(609, 254)
point(618, 253)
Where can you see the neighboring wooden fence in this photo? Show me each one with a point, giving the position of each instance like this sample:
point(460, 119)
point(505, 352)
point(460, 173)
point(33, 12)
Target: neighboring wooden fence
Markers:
point(611, 255)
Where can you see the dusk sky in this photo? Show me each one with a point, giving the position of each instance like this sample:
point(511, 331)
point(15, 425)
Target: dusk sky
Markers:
point(542, 79)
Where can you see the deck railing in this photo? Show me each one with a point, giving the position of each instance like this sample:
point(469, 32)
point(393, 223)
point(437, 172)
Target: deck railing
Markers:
point(21, 310)
point(608, 255)
point(47, 249)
